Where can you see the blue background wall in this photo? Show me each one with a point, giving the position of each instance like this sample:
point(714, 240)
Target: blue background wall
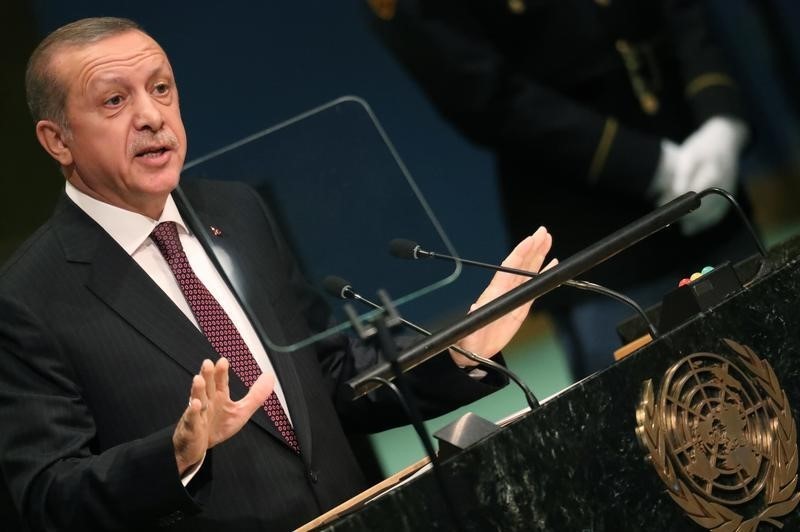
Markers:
point(243, 66)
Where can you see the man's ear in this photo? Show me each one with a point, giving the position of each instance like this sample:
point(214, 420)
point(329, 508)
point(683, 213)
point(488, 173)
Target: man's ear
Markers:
point(52, 137)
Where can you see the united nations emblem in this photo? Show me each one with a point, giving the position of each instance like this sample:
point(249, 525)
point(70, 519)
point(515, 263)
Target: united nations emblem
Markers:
point(722, 437)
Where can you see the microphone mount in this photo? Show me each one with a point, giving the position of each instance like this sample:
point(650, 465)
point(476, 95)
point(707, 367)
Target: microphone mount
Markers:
point(340, 288)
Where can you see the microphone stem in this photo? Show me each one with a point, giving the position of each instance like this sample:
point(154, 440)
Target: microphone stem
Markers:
point(486, 362)
point(580, 285)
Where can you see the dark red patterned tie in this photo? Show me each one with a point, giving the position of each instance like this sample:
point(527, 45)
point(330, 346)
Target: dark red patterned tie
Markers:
point(217, 326)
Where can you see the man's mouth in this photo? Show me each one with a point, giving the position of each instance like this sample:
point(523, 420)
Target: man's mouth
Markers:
point(152, 152)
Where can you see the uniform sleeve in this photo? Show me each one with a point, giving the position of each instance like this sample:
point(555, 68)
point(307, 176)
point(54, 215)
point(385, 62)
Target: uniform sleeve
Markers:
point(445, 48)
point(709, 87)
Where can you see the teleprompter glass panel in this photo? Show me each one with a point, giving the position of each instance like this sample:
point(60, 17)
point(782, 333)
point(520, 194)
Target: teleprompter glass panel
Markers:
point(340, 193)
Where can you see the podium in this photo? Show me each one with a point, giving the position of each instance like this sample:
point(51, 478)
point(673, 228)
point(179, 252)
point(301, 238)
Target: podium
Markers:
point(711, 435)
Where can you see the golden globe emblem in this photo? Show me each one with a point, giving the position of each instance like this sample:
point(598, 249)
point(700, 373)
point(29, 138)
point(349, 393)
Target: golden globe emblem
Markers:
point(721, 435)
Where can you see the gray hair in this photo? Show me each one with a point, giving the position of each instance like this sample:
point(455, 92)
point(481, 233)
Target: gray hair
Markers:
point(46, 93)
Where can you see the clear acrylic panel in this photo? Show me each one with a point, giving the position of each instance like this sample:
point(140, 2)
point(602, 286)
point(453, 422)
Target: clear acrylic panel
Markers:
point(341, 193)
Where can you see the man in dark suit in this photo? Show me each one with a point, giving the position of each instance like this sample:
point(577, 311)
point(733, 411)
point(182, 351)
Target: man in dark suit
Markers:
point(108, 311)
point(598, 111)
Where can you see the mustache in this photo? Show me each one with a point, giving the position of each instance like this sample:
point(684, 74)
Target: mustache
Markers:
point(145, 141)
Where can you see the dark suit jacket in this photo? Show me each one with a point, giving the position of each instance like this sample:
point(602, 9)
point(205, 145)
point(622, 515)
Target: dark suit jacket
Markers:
point(95, 370)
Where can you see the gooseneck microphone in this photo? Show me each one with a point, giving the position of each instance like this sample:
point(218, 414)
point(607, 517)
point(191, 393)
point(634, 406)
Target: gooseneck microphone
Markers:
point(408, 249)
point(338, 287)
point(342, 289)
point(541, 284)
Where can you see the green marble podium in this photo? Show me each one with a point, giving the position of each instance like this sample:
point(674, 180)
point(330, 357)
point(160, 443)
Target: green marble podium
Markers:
point(576, 463)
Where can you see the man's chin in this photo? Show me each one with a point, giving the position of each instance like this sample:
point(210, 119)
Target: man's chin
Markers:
point(160, 184)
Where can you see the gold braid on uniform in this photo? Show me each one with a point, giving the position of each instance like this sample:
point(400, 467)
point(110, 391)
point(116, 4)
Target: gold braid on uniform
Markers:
point(603, 147)
point(707, 80)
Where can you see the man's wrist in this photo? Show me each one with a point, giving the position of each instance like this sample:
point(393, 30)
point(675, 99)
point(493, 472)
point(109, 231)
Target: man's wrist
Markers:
point(189, 474)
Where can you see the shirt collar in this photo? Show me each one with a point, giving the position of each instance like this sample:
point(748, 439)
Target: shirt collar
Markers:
point(129, 229)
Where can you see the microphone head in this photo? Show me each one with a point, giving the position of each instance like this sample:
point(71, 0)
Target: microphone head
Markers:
point(337, 287)
point(404, 249)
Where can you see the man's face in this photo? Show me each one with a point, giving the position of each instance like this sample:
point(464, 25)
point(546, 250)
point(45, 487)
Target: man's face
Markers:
point(126, 143)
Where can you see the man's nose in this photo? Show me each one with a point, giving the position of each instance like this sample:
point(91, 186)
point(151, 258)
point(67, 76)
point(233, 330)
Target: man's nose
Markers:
point(147, 114)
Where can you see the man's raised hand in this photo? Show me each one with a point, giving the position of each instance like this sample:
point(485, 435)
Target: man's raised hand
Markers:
point(528, 255)
point(212, 416)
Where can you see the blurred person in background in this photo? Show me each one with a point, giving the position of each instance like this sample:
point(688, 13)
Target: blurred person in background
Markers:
point(598, 111)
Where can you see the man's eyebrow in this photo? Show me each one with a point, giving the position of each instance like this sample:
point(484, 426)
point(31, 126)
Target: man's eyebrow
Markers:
point(162, 68)
point(108, 79)
point(116, 79)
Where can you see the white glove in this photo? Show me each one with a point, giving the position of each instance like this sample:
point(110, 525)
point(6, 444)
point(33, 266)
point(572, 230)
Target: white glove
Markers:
point(709, 157)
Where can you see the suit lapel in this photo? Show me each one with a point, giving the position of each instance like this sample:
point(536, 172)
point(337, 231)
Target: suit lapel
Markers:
point(259, 301)
point(285, 369)
point(129, 291)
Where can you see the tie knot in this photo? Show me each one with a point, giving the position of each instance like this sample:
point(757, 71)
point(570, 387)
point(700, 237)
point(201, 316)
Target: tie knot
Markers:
point(165, 235)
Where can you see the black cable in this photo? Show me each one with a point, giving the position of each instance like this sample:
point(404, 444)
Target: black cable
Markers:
point(389, 349)
point(736, 207)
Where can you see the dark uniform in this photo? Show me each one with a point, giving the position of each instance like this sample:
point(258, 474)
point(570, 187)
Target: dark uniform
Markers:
point(574, 97)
